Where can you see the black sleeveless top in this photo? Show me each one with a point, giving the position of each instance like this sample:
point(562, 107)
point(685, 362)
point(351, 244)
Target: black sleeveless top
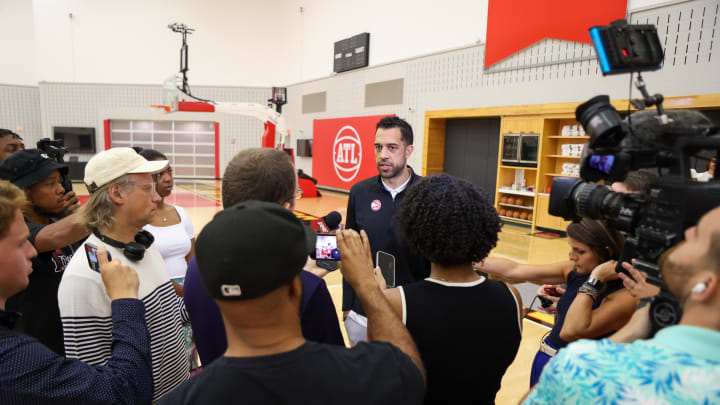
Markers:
point(574, 282)
point(467, 335)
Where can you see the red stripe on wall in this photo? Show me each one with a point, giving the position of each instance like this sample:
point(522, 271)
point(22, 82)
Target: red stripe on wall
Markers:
point(217, 150)
point(106, 125)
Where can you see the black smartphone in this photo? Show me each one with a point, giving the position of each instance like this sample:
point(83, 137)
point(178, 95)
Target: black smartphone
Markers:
point(326, 247)
point(91, 251)
point(386, 262)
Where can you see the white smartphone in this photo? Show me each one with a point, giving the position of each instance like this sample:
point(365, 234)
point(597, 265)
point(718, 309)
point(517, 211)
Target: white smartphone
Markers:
point(386, 262)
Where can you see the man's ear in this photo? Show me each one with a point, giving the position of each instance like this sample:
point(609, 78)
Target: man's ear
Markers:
point(409, 150)
point(117, 194)
point(296, 290)
point(287, 205)
point(704, 286)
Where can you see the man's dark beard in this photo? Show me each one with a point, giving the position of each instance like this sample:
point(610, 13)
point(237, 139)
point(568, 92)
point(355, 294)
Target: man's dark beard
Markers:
point(396, 172)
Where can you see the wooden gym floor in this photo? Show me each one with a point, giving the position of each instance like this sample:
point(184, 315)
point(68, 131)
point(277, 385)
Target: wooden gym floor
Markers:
point(201, 199)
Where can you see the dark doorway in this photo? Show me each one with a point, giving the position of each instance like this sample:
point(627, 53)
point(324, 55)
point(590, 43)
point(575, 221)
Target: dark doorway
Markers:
point(471, 151)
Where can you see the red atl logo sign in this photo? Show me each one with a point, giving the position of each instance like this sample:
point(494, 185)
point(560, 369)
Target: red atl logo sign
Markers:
point(343, 150)
point(515, 25)
point(347, 153)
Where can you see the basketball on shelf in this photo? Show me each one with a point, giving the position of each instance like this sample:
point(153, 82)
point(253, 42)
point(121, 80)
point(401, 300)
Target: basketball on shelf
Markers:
point(502, 212)
point(529, 217)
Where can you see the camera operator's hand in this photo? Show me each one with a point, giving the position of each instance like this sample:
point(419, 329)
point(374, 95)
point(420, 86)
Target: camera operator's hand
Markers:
point(553, 293)
point(356, 265)
point(121, 281)
point(638, 285)
point(605, 272)
point(70, 202)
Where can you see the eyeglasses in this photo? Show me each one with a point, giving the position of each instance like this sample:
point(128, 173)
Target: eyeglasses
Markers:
point(146, 187)
point(298, 194)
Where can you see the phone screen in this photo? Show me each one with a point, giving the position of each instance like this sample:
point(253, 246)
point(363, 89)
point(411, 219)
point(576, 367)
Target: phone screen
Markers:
point(91, 251)
point(386, 262)
point(326, 247)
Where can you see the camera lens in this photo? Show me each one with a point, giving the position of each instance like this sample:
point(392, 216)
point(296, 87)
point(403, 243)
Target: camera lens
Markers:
point(601, 121)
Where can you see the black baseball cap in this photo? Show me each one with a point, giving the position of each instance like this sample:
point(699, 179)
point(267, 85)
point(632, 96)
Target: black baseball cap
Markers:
point(251, 249)
point(30, 166)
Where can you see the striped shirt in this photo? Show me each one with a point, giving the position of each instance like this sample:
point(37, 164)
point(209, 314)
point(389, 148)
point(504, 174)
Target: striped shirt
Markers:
point(87, 323)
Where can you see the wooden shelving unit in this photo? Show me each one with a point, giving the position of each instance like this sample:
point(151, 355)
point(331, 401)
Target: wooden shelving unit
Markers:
point(546, 120)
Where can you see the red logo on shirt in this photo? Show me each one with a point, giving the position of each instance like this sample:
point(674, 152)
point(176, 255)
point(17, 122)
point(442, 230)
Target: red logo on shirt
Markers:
point(375, 205)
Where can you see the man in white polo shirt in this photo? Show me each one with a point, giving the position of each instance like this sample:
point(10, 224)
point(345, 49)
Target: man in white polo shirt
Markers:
point(123, 199)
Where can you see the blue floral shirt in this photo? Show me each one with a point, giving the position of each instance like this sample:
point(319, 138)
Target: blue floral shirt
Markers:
point(680, 365)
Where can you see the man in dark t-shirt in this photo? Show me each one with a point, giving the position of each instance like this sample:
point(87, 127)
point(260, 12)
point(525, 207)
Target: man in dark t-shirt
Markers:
point(268, 361)
point(53, 233)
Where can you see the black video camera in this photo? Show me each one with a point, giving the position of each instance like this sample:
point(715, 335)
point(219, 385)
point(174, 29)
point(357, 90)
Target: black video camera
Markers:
point(656, 220)
point(55, 149)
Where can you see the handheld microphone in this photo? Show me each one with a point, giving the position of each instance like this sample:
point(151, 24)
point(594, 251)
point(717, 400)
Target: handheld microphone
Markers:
point(332, 220)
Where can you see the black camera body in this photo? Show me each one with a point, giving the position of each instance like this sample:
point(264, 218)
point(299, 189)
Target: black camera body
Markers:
point(656, 220)
point(55, 149)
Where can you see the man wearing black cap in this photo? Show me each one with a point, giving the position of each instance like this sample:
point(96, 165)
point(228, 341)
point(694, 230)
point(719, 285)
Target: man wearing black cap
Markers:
point(40, 178)
point(268, 360)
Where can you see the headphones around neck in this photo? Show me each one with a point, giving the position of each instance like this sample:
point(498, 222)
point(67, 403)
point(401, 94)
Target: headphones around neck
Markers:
point(134, 251)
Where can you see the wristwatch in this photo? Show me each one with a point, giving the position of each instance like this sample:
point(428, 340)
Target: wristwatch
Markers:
point(595, 283)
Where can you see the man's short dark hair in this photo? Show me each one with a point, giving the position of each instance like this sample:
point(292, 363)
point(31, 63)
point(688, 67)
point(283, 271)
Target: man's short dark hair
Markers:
point(640, 180)
point(6, 132)
point(261, 174)
point(395, 122)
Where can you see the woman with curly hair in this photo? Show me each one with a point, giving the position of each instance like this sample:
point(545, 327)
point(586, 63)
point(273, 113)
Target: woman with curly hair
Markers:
point(467, 328)
point(594, 303)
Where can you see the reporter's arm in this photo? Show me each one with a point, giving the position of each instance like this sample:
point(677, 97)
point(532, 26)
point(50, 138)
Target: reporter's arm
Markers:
point(41, 376)
point(127, 377)
point(553, 273)
point(582, 322)
point(60, 234)
point(383, 323)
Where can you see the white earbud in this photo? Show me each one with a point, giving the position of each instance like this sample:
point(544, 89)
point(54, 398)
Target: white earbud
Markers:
point(699, 288)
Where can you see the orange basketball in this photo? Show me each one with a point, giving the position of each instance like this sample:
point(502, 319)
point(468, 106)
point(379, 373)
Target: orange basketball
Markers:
point(518, 201)
point(529, 217)
point(502, 211)
point(524, 215)
point(503, 199)
point(516, 214)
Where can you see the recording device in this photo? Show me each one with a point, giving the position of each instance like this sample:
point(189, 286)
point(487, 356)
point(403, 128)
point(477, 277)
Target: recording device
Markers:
point(656, 220)
point(326, 224)
point(544, 302)
point(55, 149)
point(326, 247)
point(386, 262)
point(91, 251)
point(550, 290)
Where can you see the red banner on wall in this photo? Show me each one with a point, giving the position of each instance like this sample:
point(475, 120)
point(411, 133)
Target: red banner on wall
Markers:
point(515, 25)
point(344, 151)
